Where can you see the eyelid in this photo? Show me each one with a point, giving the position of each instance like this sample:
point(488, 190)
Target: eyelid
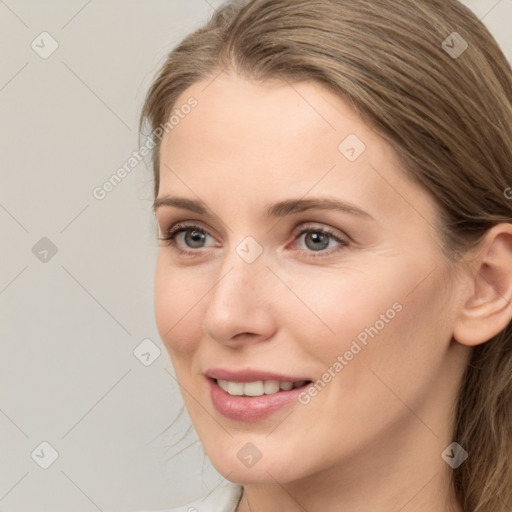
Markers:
point(180, 227)
point(317, 226)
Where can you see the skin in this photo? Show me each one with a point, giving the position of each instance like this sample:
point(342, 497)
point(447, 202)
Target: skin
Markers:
point(372, 438)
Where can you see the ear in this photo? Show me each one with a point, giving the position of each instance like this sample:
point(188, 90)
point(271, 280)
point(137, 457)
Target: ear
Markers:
point(487, 305)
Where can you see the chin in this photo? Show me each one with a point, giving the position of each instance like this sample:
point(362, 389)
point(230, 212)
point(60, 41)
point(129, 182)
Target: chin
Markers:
point(266, 470)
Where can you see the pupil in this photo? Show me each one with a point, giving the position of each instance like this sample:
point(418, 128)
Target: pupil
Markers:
point(320, 241)
point(195, 238)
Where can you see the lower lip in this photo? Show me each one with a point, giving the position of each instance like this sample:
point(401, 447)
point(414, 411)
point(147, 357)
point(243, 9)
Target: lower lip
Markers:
point(247, 408)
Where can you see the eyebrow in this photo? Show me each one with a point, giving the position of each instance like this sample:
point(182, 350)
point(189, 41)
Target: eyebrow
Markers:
point(280, 209)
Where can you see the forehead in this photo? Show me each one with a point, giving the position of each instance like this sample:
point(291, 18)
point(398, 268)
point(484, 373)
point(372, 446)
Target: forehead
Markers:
point(274, 138)
point(263, 119)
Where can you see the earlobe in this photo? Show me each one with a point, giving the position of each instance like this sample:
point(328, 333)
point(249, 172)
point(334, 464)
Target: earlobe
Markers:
point(487, 308)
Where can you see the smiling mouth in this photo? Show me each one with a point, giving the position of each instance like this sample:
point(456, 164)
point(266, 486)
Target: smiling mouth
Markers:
point(259, 387)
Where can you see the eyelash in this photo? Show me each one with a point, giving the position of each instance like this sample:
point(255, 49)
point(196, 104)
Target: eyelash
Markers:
point(181, 227)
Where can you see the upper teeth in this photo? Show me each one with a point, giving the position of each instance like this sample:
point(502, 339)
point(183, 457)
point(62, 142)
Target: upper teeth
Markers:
point(258, 388)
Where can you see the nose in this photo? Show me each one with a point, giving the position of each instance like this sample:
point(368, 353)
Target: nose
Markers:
point(240, 308)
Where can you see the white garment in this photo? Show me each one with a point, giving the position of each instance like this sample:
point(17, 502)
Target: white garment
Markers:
point(223, 498)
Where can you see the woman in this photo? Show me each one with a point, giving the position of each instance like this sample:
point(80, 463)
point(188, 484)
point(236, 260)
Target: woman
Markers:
point(334, 281)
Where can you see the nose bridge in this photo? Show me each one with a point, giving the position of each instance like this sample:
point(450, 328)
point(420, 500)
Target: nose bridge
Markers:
point(240, 278)
point(239, 299)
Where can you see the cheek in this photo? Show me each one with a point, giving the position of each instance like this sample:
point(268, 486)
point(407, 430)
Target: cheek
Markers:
point(405, 340)
point(177, 294)
point(343, 305)
point(375, 321)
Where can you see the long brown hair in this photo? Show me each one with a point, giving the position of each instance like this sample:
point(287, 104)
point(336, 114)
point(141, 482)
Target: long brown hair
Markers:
point(428, 77)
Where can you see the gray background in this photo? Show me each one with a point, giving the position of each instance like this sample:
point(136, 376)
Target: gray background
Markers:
point(71, 321)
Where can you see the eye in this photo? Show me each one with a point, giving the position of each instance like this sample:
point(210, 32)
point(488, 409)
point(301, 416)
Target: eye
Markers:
point(189, 235)
point(318, 239)
point(187, 239)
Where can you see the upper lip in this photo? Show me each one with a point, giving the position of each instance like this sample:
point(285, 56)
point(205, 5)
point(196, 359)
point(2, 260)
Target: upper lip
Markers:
point(250, 375)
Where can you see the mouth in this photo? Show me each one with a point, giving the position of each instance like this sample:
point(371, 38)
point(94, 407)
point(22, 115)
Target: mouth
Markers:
point(254, 400)
point(259, 387)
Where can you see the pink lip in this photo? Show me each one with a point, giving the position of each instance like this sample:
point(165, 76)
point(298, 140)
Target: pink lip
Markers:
point(249, 375)
point(247, 408)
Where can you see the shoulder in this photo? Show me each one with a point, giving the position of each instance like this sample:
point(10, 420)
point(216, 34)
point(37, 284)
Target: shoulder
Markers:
point(223, 498)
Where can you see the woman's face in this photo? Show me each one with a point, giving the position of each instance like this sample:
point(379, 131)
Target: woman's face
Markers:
point(355, 297)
